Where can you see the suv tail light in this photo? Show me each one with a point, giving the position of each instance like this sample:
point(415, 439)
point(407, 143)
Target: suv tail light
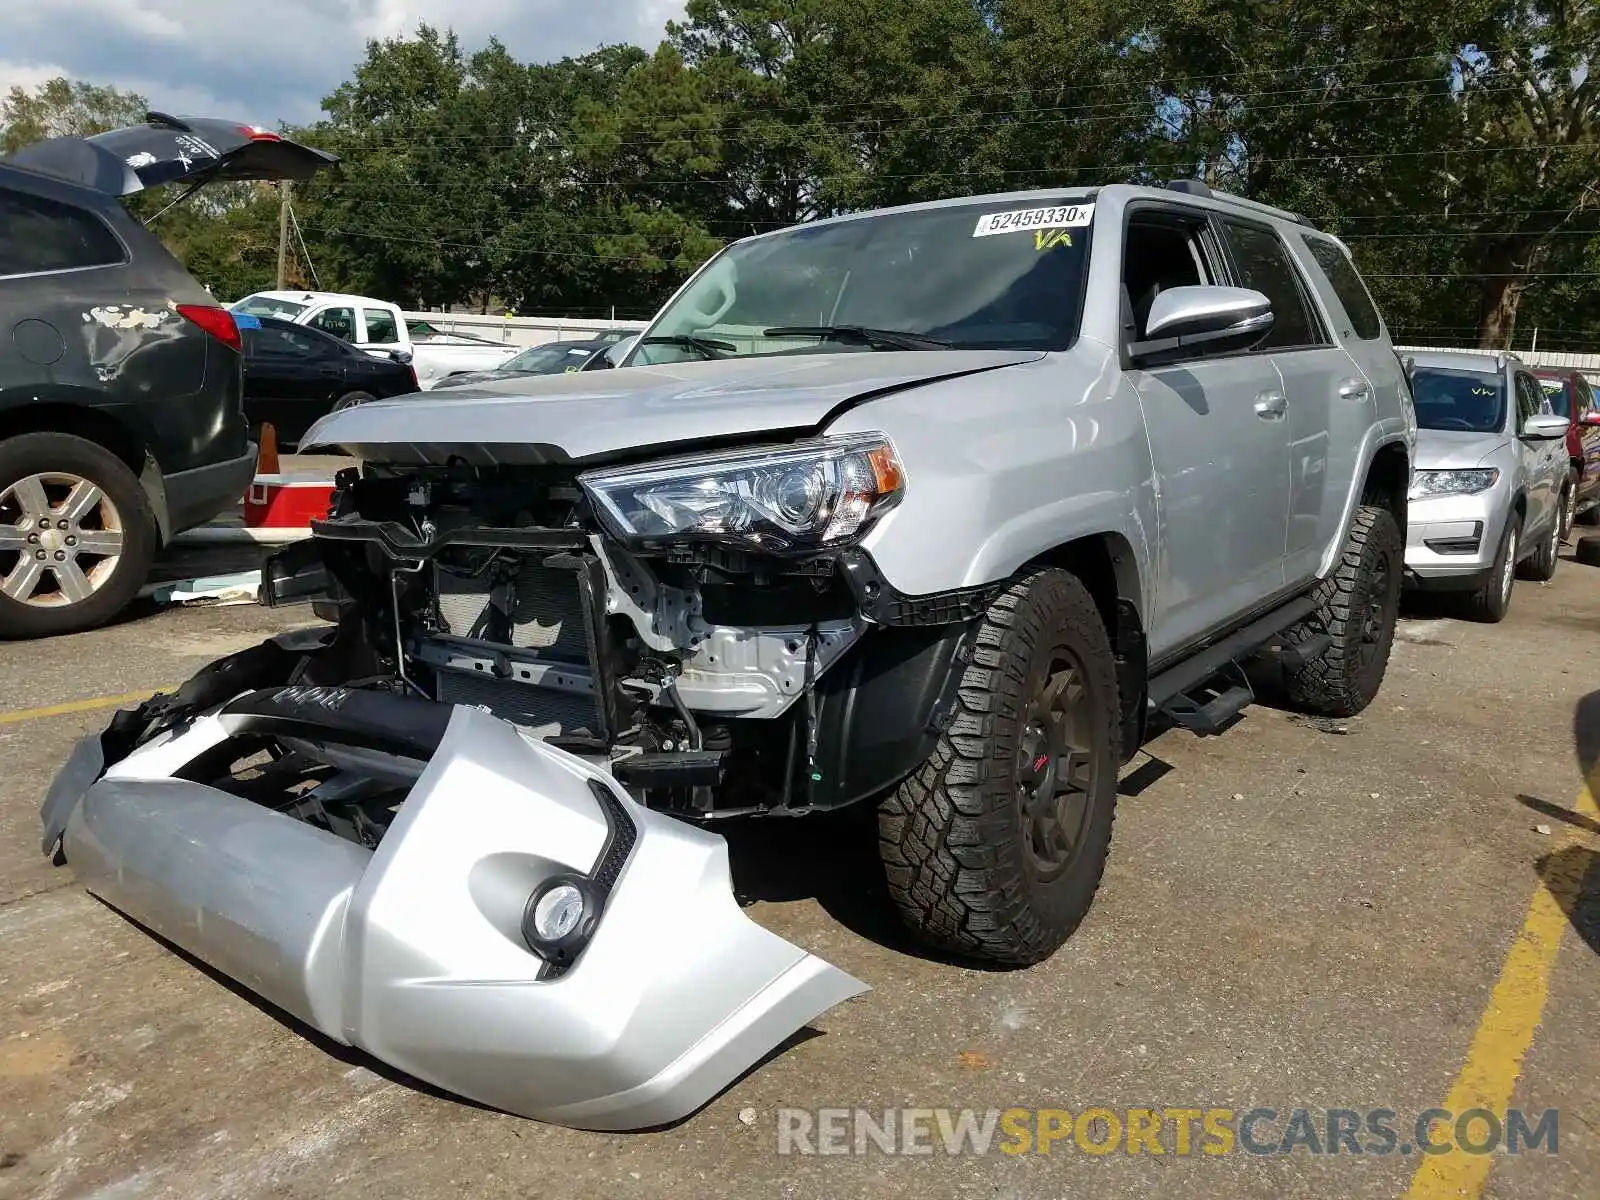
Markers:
point(216, 321)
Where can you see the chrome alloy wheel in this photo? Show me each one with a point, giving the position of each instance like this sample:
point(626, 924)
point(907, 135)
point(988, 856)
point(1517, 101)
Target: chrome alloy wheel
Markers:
point(61, 539)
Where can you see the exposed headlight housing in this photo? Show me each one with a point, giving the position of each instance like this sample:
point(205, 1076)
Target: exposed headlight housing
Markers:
point(780, 500)
point(1428, 484)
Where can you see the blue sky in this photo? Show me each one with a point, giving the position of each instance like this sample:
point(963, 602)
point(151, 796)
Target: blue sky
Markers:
point(266, 61)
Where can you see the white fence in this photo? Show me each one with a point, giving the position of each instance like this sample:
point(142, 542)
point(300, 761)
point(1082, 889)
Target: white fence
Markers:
point(522, 331)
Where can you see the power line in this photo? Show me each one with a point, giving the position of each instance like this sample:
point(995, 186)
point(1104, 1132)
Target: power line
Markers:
point(1447, 61)
point(865, 123)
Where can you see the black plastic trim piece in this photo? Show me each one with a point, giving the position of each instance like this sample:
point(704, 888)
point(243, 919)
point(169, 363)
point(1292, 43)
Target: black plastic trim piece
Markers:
point(690, 768)
point(1179, 678)
point(399, 542)
point(621, 837)
point(882, 604)
point(379, 721)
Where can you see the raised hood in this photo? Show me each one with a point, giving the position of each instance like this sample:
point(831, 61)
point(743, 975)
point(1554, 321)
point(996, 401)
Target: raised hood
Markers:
point(595, 415)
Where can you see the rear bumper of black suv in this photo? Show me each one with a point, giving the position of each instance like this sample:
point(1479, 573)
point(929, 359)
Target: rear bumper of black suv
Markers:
point(195, 496)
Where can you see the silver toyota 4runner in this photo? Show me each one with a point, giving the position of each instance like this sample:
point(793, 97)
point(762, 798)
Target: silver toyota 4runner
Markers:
point(934, 508)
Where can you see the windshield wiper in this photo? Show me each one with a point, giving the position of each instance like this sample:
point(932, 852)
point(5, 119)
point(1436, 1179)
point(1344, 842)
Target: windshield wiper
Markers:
point(706, 346)
point(897, 339)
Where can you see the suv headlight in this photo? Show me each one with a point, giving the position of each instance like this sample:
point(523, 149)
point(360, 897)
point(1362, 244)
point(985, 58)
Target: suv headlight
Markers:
point(1427, 484)
point(781, 500)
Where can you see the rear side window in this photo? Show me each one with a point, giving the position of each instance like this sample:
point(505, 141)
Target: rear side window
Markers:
point(1264, 265)
point(272, 340)
point(381, 327)
point(340, 322)
point(1561, 393)
point(1348, 286)
point(39, 235)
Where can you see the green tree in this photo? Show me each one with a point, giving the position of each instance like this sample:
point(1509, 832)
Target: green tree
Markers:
point(63, 107)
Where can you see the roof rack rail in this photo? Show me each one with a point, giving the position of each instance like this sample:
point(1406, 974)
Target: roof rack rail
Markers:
point(1196, 187)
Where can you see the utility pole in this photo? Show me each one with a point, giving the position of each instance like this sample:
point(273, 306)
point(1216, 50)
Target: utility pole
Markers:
point(284, 187)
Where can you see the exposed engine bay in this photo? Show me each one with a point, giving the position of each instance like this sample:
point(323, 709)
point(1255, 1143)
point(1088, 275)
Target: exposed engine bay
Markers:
point(710, 679)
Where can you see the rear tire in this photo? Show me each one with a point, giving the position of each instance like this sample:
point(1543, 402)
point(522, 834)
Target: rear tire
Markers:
point(1569, 505)
point(995, 847)
point(60, 494)
point(1492, 600)
point(1358, 606)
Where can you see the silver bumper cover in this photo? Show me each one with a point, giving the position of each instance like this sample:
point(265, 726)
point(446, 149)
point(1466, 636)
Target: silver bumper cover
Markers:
point(414, 951)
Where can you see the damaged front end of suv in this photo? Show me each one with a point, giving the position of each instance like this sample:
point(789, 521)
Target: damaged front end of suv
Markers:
point(467, 824)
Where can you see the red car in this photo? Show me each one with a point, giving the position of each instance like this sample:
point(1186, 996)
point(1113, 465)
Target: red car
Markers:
point(1573, 396)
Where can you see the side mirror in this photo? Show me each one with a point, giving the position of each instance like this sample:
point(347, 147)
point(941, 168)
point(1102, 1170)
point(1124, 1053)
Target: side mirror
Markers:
point(1544, 426)
point(1184, 321)
point(1592, 417)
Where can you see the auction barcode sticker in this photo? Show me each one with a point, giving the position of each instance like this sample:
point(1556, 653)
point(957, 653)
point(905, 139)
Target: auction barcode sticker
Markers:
point(1063, 216)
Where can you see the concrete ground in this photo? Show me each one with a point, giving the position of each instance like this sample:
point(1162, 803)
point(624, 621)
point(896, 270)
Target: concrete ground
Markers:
point(1396, 912)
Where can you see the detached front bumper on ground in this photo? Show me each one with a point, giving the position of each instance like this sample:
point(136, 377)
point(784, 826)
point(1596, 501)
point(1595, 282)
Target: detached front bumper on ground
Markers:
point(629, 1006)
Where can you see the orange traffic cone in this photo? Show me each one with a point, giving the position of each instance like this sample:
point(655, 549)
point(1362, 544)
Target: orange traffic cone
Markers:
point(267, 459)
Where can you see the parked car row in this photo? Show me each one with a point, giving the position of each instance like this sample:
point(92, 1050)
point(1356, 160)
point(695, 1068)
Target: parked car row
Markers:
point(122, 383)
point(379, 327)
point(1504, 462)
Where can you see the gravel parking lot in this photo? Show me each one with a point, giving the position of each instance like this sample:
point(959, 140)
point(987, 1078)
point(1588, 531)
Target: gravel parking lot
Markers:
point(1395, 913)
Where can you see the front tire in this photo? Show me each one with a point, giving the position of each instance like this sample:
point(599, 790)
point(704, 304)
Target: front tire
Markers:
point(995, 847)
point(1492, 600)
point(1357, 607)
point(77, 536)
point(1541, 568)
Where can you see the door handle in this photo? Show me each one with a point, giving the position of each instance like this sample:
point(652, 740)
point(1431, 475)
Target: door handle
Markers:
point(1355, 389)
point(1271, 405)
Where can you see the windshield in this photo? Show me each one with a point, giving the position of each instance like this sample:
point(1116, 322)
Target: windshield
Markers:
point(266, 306)
point(995, 275)
point(1459, 400)
point(1559, 392)
point(548, 360)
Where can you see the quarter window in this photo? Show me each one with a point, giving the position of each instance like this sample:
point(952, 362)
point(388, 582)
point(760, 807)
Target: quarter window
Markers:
point(1348, 285)
point(38, 235)
point(1264, 265)
point(382, 329)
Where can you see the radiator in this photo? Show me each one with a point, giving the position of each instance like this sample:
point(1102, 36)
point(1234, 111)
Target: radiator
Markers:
point(540, 612)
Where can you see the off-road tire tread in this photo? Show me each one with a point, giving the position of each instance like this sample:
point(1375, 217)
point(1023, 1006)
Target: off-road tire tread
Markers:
point(948, 836)
point(1326, 685)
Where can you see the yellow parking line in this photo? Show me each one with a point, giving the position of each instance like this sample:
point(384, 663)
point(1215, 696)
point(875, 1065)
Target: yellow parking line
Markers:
point(1494, 1062)
point(76, 706)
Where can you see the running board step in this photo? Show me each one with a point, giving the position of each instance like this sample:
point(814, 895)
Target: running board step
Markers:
point(1212, 716)
point(1293, 657)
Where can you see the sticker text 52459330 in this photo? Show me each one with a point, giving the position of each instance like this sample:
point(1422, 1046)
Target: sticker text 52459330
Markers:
point(1062, 216)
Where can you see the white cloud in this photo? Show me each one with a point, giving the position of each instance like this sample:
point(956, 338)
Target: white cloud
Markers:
point(265, 62)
